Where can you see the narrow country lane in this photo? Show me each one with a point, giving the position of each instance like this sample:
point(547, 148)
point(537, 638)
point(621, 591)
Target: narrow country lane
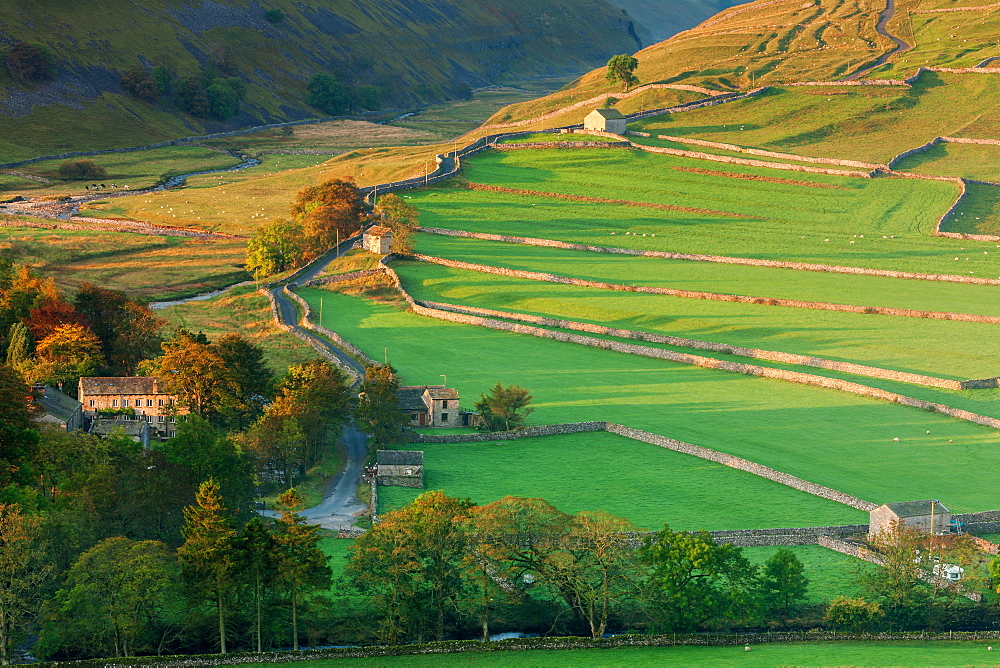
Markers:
point(901, 46)
point(339, 510)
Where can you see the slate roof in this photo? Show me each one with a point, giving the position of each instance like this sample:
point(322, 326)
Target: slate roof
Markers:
point(411, 398)
point(442, 393)
point(132, 428)
point(610, 114)
point(118, 385)
point(400, 457)
point(58, 405)
point(379, 231)
point(916, 508)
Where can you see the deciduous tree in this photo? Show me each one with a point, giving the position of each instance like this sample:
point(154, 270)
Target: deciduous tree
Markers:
point(621, 69)
point(782, 581)
point(128, 330)
point(401, 218)
point(28, 62)
point(325, 212)
point(274, 248)
point(23, 572)
point(378, 412)
point(504, 408)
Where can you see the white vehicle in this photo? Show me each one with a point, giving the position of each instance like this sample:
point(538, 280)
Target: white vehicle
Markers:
point(949, 572)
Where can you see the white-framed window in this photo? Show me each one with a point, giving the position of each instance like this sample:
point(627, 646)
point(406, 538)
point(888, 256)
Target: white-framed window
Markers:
point(91, 403)
point(149, 403)
point(114, 403)
point(160, 419)
point(159, 402)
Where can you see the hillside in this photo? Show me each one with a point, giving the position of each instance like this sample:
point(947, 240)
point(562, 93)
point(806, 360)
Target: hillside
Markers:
point(656, 20)
point(413, 52)
point(771, 42)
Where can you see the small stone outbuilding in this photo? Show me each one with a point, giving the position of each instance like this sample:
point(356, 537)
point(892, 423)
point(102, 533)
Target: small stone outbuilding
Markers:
point(377, 239)
point(400, 468)
point(605, 120)
point(911, 514)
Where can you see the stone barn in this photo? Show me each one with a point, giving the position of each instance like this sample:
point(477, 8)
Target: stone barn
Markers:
point(377, 239)
point(400, 468)
point(605, 120)
point(911, 514)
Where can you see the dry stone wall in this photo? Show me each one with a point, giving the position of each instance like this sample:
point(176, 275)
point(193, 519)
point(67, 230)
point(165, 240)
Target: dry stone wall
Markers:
point(791, 536)
point(769, 355)
point(529, 432)
point(767, 154)
point(852, 549)
point(562, 144)
point(342, 278)
point(713, 296)
point(721, 259)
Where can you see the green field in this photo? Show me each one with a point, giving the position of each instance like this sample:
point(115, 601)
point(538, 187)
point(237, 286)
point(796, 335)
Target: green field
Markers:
point(829, 437)
point(927, 653)
point(649, 485)
point(871, 123)
point(830, 573)
point(144, 266)
point(139, 169)
point(915, 345)
point(971, 161)
point(786, 220)
point(553, 137)
point(732, 278)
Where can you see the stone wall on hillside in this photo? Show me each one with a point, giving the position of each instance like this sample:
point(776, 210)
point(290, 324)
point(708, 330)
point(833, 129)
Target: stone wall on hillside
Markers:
point(769, 355)
point(791, 536)
point(528, 432)
point(767, 154)
point(713, 296)
point(750, 162)
point(722, 259)
point(562, 144)
point(342, 278)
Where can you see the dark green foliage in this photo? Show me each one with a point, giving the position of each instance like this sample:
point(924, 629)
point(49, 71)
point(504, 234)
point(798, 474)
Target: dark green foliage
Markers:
point(128, 330)
point(782, 581)
point(368, 98)
point(378, 412)
point(462, 91)
point(18, 437)
point(504, 408)
point(163, 79)
point(224, 97)
point(137, 81)
point(29, 62)
point(621, 69)
point(274, 16)
point(82, 169)
point(330, 94)
point(193, 98)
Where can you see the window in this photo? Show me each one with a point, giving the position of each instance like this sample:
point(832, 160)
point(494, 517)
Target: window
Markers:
point(91, 403)
point(160, 419)
point(114, 403)
point(173, 419)
point(125, 403)
point(159, 402)
point(149, 403)
point(444, 404)
point(444, 417)
point(414, 416)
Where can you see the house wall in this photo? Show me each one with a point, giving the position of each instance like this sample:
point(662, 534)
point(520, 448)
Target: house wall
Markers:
point(615, 126)
point(883, 518)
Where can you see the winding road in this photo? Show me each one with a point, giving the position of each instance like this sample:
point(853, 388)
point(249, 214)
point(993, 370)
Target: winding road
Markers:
point(901, 46)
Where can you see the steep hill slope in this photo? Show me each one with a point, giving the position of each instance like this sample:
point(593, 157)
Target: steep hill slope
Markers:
point(656, 20)
point(413, 51)
point(781, 41)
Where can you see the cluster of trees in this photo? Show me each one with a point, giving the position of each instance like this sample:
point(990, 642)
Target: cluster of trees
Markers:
point(81, 169)
point(442, 566)
point(329, 93)
point(320, 216)
point(29, 63)
point(51, 339)
point(205, 95)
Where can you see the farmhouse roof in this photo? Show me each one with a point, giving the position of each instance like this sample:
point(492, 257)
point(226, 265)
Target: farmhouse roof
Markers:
point(58, 405)
point(106, 427)
point(411, 398)
point(379, 231)
point(442, 393)
point(610, 114)
point(400, 457)
point(916, 508)
point(118, 385)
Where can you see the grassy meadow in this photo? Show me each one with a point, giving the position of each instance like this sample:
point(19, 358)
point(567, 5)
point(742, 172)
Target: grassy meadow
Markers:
point(144, 266)
point(736, 211)
point(914, 345)
point(869, 123)
point(244, 311)
point(649, 485)
point(830, 573)
point(829, 437)
point(918, 653)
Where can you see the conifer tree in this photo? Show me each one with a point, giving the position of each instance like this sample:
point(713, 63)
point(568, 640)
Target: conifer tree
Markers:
point(303, 567)
point(207, 555)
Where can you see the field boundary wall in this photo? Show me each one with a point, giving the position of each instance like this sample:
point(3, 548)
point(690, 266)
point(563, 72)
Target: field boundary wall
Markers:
point(720, 259)
point(712, 296)
point(696, 360)
point(337, 339)
point(728, 349)
point(766, 154)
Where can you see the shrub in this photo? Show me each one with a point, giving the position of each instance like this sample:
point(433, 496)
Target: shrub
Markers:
point(82, 169)
point(328, 93)
point(223, 101)
point(29, 62)
point(138, 82)
point(369, 97)
point(274, 16)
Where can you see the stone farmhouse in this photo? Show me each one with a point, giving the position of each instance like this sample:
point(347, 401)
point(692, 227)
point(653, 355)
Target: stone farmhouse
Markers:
point(912, 514)
point(377, 239)
point(400, 468)
point(59, 409)
point(605, 120)
point(432, 406)
point(130, 399)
